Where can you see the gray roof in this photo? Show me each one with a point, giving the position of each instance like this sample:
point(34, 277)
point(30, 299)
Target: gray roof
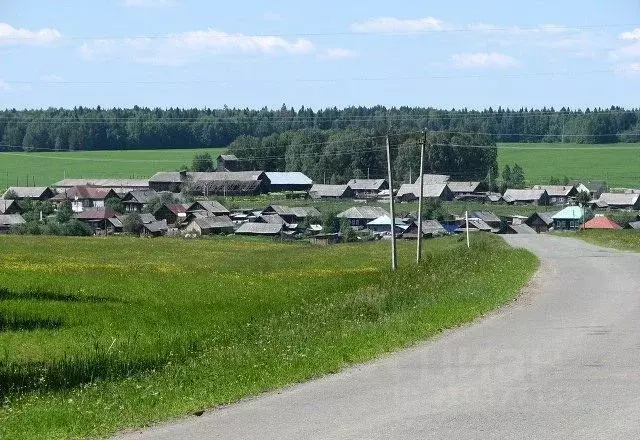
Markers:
point(486, 216)
point(115, 221)
point(272, 218)
point(479, 224)
point(305, 211)
point(156, 226)
point(167, 177)
point(364, 212)
point(5, 204)
point(27, 192)
point(432, 227)
point(225, 175)
point(288, 178)
point(259, 229)
point(544, 216)
point(228, 157)
point(140, 196)
point(433, 178)
point(104, 183)
point(217, 222)
point(11, 219)
point(556, 190)
point(619, 199)
point(524, 195)
point(429, 191)
point(320, 190)
point(634, 225)
point(213, 206)
point(463, 187)
point(592, 185)
point(366, 184)
point(522, 228)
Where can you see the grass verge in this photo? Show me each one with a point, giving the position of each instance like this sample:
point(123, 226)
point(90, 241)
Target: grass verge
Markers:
point(178, 326)
point(627, 239)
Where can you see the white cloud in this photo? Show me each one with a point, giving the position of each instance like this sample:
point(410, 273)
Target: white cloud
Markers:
point(629, 51)
point(397, 25)
point(181, 48)
point(4, 86)
point(338, 53)
point(10, 35)
point(484, 60)
point(632, 35)
point(149, 3)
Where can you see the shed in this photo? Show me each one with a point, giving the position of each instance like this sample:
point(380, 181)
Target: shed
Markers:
point(601, 222)
point(526, 196)
point(436, 191)
point(211, 225)
point(326, 239)
point(539, 221)
point(211, 207)
point(8, 206)
point(521, 228)
point(319, 191)
point(558, 194)
point(460, 189)
point(264, 229)
point(7, 221)
point(367, 188)
point(430, 179)
point(29, 192)
point(289, 181)
point(430, 228)
point(154, 229)
point(620, 201)
point(228, 162)
point(383, 224)
point(488, 217)
point(359, 216)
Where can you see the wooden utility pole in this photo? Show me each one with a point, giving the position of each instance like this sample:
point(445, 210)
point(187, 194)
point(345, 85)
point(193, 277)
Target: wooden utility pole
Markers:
point(422, 145)
point(394, 255)
point(466, 219)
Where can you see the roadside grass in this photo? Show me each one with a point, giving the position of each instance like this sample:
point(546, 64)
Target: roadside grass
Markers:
point(46, 168)
point(625, 239)
point(147, 330)
point(613, 163)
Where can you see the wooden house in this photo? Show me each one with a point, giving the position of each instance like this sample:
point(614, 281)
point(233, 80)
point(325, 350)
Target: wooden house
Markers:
point(319, 191)
point(360, 216)
point(539, 221)
point(430, 228)
point(559, 194)
point(28, 193)
point(173, 214)
point(8, 221)
point(260, 229)
point(137, 200)
point(289, 181)
point(526, 197)
point(210, 225)
point(228, 162)
point(619, 201)
point(570, 218)
point(8, 206)
point(431, 191)
point(85, 197)
point(367, 188)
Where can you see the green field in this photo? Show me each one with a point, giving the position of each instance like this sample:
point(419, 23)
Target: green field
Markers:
point(617, 164)
point(47, 168)
point(98, 335)
point(628, 239)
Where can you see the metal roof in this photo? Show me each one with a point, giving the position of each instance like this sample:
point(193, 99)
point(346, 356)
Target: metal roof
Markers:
point(619, 199)
point(228, 157)
point(288, 178)
point(385, 220)
point(320, 190)
point(544, 216)
point(601, 222)
point(433, 178)
point(95, 214)
point(486, 216)
point(85, 193)
point(522, 228)
point(259, 229)
point(569, 213)
point(216, 222)
point(363, 212)
point(525, 195)
point(28, 192)
point(139, 196)
point(11, 219)
point(366, 184)
point(104, 183)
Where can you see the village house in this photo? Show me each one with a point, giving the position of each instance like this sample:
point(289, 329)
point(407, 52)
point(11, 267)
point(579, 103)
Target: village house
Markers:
point(260, 229)
point(430, 228)
point(85, 197)
point(228, 162)
point(320, 191)
point(559, 194)
point(8, 206)
point(521, 228)
point(359, 216)
point(289, 181)
point(173, 214)
point(8, 221)
point(236, 183)
point(593, 187)
point(475, 225)
point(432, 179)
point(154, 229)
point(367, 188)
point(431, 191)
point(98, 220)
point(120, 186)
point(292, 214)
point(137, 200)
point(209, 208)
point(28, 193)
point(488, 217)
point(383, 225)
point(465, 189)
point(526, 197)
point(210, 225)
point(619, 201)
point(540, 221)
point(570, 218)
point(601, 222)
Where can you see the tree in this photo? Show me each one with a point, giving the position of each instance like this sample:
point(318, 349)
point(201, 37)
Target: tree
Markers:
point(132, 224)
point(583, 198)
point(506, 177)
point(202, 163)
point(10, 195)
point(330, 223)
point(114, 204)
point(347, 232)
point(517, 177)
point(164, 198)
point(64, 212)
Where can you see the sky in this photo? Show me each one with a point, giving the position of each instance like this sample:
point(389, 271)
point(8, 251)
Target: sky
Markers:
point(192, 53)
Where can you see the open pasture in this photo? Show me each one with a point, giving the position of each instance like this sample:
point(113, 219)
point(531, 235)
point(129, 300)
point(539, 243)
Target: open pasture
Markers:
point(103, 334)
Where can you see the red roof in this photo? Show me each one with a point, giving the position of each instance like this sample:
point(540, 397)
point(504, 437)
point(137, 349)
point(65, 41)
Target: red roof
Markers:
point(85, 192)
point(177, 208)
point(601, 222)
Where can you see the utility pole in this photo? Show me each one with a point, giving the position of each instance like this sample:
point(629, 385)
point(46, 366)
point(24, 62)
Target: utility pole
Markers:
point(394, 255)
point(367, 172)
point(466, 218)
point(419, 249)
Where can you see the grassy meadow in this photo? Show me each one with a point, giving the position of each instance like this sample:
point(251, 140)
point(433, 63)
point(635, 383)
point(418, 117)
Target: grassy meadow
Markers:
point(46, 168)
point(617, 164)
point(627, 239)
point(100, 334)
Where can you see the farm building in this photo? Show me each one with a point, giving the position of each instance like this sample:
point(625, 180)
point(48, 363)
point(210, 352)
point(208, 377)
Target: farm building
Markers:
point(559, 194)
point(319, 191)
point(433, 191)
point(154, 229)
point(619, 201)
point(383, 224)
point(593, 187)
point(431, 179)
point(521, 228)
point(120, 186)
point(292, 214)
point(209, 207)
point(218, 183)
point(430, 228)
point(289, 181)
point(97, 219)
point(526, 197)
point(359, 216)
point(8, 221)
point(228, 162)
point(488, 217)
point(475, 224)
point(8, 206)
point(462, 189)
point(570, 218)
point(28, 193)
point(539, 221)
point(326, 239)
point(137, 200)
point(633, 225)
point(601, 222)
point(85, 197)
point(263, 229)
point(210, 225)
point(172, 213)
point(367, 188)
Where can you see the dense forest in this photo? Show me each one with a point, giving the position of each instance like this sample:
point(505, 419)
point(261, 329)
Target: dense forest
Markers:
point(92, 129)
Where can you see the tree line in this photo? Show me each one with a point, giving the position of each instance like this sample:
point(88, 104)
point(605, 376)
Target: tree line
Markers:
point(84, 128)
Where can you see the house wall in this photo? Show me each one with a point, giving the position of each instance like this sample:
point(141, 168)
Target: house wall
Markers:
point(566, 225)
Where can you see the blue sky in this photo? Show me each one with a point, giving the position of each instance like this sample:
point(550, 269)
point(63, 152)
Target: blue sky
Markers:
point(191, 53)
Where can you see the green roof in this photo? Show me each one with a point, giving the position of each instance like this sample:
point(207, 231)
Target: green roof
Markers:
point(569, 213)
